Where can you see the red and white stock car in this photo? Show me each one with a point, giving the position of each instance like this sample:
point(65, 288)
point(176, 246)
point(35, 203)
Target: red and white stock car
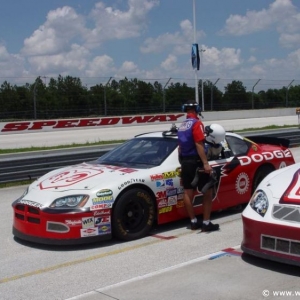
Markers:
point(271, 220)
point(137, 184)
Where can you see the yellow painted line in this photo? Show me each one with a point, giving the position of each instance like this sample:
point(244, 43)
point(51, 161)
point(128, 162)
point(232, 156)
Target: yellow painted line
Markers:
point(83, 260)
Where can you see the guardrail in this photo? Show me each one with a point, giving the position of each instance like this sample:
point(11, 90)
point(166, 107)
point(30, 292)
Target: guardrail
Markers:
point(30, 165)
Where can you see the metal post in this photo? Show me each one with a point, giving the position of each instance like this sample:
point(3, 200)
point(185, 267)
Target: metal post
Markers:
point(287, 92)
point(34, 100)
point(164, 95)
point(105, 105)
point(202, 90)
point(196, 74)
point(253, 92)
point(211, 94)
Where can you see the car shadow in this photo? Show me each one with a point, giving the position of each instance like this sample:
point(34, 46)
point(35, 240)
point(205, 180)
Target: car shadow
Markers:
point(270, 265)
point(164, 228)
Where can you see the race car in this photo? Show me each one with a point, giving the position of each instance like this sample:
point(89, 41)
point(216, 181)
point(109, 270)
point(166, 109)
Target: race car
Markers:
point(136, 185)
point(271, 220)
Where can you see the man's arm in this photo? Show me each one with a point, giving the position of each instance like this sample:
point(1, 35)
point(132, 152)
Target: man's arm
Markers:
point(201, 153)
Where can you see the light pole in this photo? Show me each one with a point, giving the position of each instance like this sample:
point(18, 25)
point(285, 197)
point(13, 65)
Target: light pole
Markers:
point(105, 109)
point(196, 75)
point(253, 92)
point(202, 90)
point(287, 93)
point(164, 95)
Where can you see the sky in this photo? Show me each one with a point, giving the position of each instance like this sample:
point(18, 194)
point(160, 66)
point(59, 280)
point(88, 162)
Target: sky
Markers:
point(150, 40)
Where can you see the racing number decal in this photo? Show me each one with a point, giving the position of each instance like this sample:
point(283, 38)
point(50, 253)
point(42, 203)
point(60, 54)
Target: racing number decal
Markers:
point(292, 193)
point(68, 178)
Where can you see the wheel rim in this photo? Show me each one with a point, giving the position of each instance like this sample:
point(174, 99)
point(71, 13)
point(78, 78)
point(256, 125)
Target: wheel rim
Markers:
point(133, 215)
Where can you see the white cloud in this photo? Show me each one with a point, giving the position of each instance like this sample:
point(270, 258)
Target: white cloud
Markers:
point(180, 41)
point(74, 60)
point(128, 67)
point(280, 13)
point(100, 65)
point(226, 58)
point(11, 65)
point(252, 59)
point(55, 35)
point(113, 23)
point(170, 63)
point(258, 70)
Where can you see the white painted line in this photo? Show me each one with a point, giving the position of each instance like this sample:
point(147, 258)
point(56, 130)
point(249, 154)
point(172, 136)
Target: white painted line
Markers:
point(199, 259)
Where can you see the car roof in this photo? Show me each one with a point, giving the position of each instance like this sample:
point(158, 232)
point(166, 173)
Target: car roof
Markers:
point(173, 134)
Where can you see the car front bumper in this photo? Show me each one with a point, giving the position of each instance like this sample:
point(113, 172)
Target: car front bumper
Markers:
point(271, 241)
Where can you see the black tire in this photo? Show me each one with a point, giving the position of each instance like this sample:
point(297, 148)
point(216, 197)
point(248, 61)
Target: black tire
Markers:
point(133, 215)
point(260, 174)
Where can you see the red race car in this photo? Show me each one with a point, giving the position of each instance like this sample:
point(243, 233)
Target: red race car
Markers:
point(128, 189)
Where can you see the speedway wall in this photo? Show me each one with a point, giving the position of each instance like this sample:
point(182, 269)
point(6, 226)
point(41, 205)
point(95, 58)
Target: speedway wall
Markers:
point(70, 124)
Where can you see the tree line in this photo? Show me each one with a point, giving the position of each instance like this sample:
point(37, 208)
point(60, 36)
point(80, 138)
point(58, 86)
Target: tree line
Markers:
point(67, 97)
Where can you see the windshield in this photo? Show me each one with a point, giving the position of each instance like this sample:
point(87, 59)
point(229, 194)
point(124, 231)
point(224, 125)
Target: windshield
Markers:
point(140, 152)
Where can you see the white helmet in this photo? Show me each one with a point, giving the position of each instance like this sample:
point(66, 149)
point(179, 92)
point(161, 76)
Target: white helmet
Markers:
point(215, 133)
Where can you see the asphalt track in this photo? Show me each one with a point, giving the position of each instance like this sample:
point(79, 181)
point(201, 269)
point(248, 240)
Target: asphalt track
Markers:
point(173, 263)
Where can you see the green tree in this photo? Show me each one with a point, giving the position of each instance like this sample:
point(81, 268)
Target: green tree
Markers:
point(235, 96)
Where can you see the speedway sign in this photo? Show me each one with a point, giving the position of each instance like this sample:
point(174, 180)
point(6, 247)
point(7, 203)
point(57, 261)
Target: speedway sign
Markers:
point(67, 124)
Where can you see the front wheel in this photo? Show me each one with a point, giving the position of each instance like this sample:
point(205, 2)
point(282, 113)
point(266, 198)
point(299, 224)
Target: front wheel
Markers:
point(133, 215)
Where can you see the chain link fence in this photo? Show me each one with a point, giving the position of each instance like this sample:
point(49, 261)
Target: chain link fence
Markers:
point(64, 97)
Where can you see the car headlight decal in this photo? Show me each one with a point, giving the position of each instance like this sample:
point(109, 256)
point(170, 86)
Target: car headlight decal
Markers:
point(70, 201)
point(259, 202)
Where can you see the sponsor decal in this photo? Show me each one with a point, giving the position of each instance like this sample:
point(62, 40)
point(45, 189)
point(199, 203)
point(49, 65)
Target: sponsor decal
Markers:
point(102, 212)
point(121, 169)
point(30, 203)
point(172, 200)
point(101, 206)
point(242, 183)
point(170, 174)
point(180, 190)
point(171, 192)
point(161, 195)
point(160, 184)
point(73, 222)
point(169, 183)
point(185, 125)
point(94, 122)
point(162, 203)
point(101, 220)
point(105, 228)
point(254, 147)
point(259, 157)
point(179, 196)
point(108, 199)
point(180, 204)
point(128, 182)
point(89, 232)
point(156, 177)
point(88, 222)
point(164, 210)
point(103, 193)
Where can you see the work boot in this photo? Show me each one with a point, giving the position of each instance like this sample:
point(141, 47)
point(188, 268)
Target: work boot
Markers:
point(210, 227)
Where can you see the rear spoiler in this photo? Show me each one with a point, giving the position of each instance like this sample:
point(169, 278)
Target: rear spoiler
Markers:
point(269, 140)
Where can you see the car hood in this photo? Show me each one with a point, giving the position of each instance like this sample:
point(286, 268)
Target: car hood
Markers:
point(83, 177)
point(279, 181)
